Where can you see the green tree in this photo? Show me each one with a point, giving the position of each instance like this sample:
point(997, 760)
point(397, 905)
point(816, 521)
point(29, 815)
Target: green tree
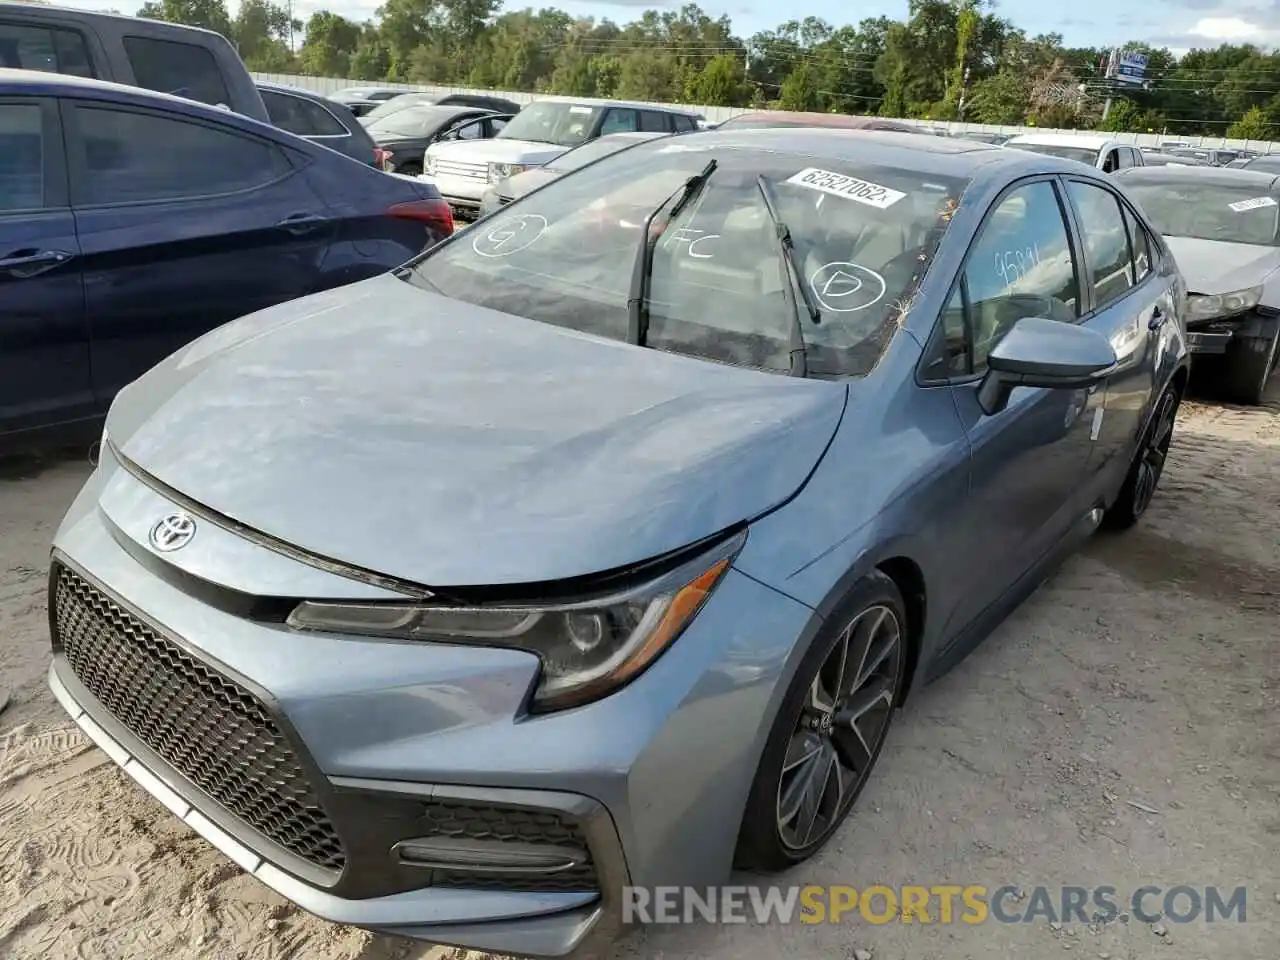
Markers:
point(800, 91)
point(1252, 126)
point(329, 46)
point(210, 14)
point(721, 83)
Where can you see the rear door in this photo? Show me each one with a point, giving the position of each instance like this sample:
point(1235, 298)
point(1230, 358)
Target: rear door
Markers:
point(184, 224)
point(1128, 302)
point(44, 342)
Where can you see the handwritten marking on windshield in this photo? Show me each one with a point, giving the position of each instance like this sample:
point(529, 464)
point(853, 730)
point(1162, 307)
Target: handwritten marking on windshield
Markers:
point(844, 287)
point(692, 237)
point(510, 235)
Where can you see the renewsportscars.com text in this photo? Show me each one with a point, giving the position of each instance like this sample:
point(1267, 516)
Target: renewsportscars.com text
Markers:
point(938, 903)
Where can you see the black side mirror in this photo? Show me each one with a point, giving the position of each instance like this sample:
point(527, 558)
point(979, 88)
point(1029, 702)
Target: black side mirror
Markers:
point(1044, 353)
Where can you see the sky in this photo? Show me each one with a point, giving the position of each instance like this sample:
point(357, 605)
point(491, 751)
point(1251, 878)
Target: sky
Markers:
point(1177, 24)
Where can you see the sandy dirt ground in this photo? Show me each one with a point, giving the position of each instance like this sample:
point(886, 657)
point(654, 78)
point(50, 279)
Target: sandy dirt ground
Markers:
point(1146, 670)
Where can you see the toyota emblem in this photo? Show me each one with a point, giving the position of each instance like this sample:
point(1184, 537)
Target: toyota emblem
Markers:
point(173, 532)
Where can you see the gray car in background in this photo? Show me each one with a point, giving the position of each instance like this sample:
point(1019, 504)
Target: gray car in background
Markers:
point(1223, 225)
point(512, 188)
point(598, 546)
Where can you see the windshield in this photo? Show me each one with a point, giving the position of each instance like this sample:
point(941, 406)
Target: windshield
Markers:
point(1084, 154)
point(1206, 211)
point(593, 151)
point(863, 236)
point(552, 121)
point(415, 120)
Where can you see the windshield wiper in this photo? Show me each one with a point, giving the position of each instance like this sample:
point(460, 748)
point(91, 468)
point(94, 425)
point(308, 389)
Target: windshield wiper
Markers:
point(638, 295)
point(790, 266)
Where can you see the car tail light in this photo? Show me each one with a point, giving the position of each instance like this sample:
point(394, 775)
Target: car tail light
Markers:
point(434, 212)
point(381, 158)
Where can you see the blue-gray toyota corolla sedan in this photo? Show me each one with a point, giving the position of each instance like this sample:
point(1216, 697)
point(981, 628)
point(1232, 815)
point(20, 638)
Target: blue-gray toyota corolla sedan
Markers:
point(597, 546)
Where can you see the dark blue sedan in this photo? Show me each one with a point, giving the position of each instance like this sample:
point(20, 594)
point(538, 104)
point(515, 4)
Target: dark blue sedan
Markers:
point(131, 222)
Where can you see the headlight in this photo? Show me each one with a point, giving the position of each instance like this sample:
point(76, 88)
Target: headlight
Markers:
point(588, 649)
point(500, 171)
point(1224, 304)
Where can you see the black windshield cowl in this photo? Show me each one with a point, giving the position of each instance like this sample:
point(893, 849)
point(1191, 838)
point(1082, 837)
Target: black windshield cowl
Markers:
point(638, 296)
point(795, 279)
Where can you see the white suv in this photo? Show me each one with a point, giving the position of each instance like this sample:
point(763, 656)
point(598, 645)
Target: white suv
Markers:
point(462, 170)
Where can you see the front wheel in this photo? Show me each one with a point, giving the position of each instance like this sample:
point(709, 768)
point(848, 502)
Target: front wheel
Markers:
point(829, 729)
point(1249, 366)
point(1148, 464)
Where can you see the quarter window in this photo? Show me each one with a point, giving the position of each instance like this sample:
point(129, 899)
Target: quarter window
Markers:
point(21, 157)
point(1141, 245)
point(182, 69)
point(1106, 242)
point(1020, 267)
point(132, 157)
point(42, 48)
point(300, 116)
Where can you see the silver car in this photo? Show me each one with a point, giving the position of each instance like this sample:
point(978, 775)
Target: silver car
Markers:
point(598, 545)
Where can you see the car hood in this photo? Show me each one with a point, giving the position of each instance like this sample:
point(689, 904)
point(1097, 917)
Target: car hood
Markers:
point(450, 445)
point(527, 182)
point(1216, 266)
point(497, 150)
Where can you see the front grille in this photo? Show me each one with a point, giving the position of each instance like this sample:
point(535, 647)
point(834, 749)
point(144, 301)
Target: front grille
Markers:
point(209, 728)
point(445, 818)
point(458, 168)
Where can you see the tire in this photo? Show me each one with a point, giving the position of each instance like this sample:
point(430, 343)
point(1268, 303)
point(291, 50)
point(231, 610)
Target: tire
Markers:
point(1144, 474)
point(1249, 367)
point(802, 747)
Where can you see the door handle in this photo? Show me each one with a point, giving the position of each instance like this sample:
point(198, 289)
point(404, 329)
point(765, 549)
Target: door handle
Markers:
point(1157, 320)
point(31, 262)
point(300, 223)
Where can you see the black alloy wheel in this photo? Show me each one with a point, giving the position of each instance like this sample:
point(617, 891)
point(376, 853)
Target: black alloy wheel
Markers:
point(843, 723)
point(1154, 453)
point(1148, 464)
point(829, 731)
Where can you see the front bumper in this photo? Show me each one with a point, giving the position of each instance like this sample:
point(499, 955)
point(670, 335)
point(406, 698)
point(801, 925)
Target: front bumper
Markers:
point(651, 780)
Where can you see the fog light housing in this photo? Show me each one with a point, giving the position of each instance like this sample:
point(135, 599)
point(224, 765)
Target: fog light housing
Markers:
point(488, 856)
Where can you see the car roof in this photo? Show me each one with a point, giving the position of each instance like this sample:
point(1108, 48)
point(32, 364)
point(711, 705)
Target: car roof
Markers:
point(285, 88)
point(632, 104)
point(1094, 140)
point(442, 110)
point(842, 121)
point(38, 83)
point(1214, 176)
point(941, 156)
point(30, 9)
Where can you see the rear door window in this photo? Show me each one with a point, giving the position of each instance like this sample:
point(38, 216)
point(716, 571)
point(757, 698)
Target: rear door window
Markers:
point(132, 157)
point(50, 49)
point(182, 69)
point(21, 157)
point(653, 122)
point(1106, 241)
point(301, 116)
point(619, 121)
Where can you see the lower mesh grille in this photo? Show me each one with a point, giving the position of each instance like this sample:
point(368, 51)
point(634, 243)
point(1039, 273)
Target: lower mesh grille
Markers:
point(209, 728)
point(483, 822)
